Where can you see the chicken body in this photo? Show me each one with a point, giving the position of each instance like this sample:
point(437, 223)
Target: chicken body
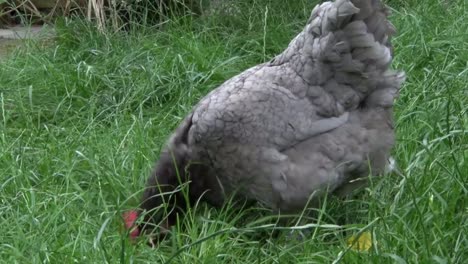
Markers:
point(308, 122)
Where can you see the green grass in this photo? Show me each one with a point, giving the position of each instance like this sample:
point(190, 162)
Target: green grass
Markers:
point(83, 120)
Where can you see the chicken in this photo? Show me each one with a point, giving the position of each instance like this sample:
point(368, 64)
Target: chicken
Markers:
point(309, 122)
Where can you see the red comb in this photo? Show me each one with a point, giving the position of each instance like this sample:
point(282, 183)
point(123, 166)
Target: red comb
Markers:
point(130, 218)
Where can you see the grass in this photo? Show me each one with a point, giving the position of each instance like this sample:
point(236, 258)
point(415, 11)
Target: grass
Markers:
point(82, 123)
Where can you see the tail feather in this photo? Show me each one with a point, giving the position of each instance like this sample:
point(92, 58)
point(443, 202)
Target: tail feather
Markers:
point(348, 42)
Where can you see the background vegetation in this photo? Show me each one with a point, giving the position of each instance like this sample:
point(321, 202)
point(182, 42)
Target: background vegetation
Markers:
point(83, 117)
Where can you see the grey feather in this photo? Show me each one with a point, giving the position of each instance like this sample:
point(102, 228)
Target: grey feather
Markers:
point(305, 124)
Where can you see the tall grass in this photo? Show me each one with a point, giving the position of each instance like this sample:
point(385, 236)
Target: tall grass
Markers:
point(105, 14)
point(82, 122)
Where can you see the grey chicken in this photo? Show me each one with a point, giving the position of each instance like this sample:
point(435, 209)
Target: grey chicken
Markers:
point(309, 122)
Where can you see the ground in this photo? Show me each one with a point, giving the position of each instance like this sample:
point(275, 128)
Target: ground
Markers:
point(15, 36)
point(84, 116)
point(6, 46)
